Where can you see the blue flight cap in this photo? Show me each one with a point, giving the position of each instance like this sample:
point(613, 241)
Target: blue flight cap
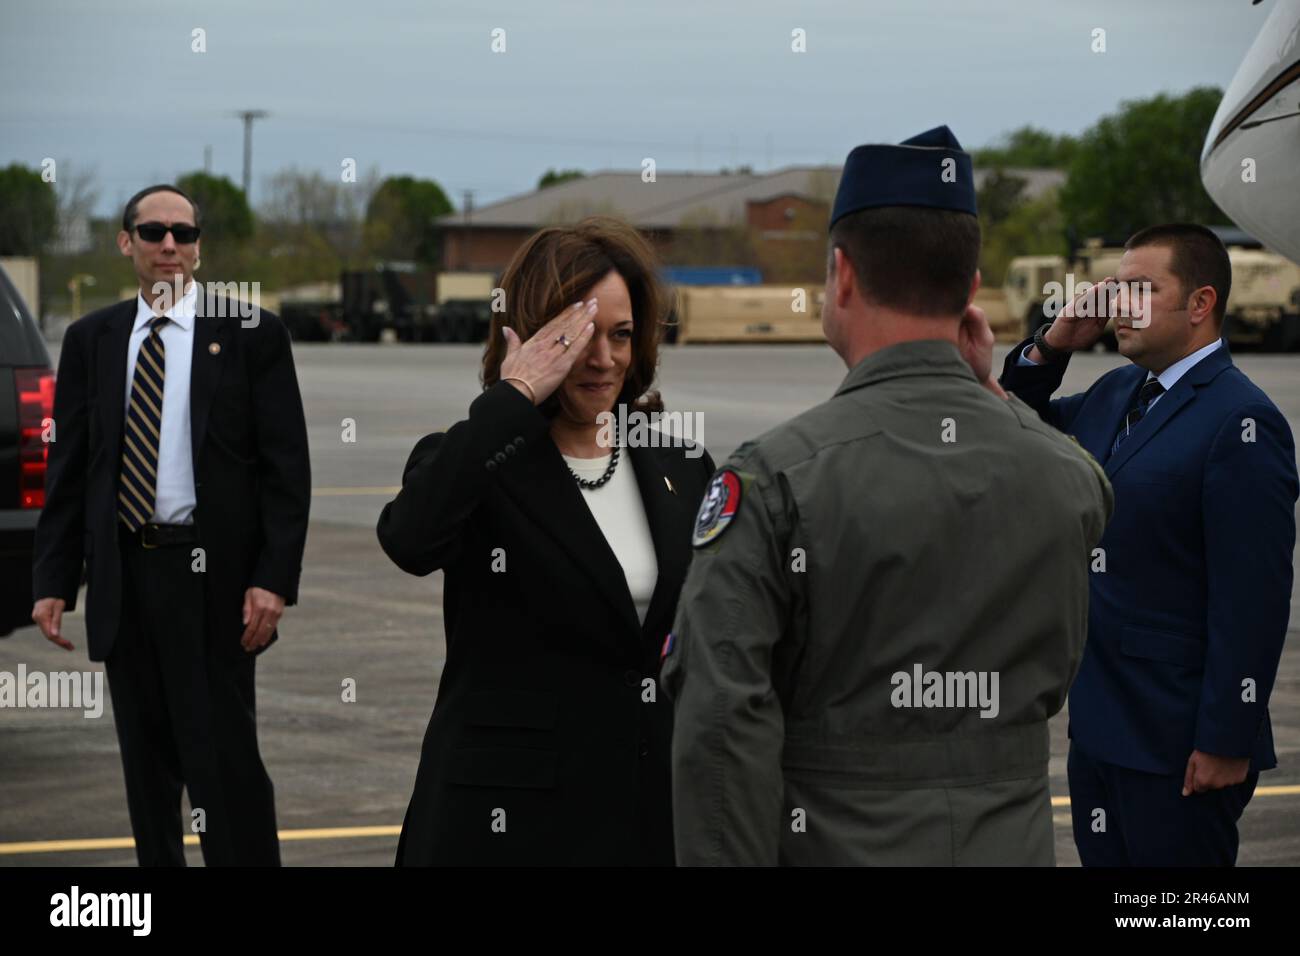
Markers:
point(927, 170)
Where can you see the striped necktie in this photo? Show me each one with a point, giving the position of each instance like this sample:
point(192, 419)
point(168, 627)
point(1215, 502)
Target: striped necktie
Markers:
point(136, 490)
point(1148, 394)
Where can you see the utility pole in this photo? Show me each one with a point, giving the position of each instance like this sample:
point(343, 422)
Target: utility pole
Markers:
point(207, 160)
point(248, 116)
point(469, 225)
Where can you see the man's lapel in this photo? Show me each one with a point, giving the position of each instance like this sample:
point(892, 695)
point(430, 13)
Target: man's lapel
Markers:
point(210, 351)
point(1202, 373)
point(110, 357)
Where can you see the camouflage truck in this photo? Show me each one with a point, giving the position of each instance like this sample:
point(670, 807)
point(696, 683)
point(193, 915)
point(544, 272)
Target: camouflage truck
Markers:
point(1263, 308)
point(749, 313)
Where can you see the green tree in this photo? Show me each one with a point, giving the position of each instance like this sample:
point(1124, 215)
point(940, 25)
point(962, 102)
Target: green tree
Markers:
point(1032, 228)
point(999, 196)
point(1141, 166)
point(310, 227)
point(553, 177)
point(227, 224)
point(1029, 146)
point(28, 211)
point(400, 219)
point(223, 206)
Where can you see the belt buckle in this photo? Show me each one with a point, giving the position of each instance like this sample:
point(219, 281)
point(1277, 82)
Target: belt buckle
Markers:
point(144, 538)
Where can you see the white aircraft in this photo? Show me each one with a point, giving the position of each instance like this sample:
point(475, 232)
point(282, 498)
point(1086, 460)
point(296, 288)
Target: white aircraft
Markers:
point(1251, 161)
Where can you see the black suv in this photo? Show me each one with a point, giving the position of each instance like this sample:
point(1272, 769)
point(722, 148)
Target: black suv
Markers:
point(26, 402)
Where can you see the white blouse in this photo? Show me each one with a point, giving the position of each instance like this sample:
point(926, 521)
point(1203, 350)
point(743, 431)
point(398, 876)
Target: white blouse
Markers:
point(620, 513)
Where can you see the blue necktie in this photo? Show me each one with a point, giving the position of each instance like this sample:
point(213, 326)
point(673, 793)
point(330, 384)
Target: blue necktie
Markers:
point(1148, 394)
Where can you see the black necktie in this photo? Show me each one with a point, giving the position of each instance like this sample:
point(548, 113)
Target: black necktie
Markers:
point(140, 440)
point(1148, 394)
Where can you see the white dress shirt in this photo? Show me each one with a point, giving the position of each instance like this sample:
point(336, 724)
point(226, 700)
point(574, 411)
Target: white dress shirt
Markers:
point(1168, 378)
point(174, 492)
point(620, 512)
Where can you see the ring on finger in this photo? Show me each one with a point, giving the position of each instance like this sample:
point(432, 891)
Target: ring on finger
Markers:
point(563, 340)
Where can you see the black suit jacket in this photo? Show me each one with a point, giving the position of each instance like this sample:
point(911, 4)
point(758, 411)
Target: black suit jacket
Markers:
point(542, 723)
point(252, 478)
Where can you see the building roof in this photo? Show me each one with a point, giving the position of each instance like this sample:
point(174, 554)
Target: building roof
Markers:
point(677, 200)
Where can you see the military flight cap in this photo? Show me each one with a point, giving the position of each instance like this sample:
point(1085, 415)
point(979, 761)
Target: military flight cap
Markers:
point(916, 172)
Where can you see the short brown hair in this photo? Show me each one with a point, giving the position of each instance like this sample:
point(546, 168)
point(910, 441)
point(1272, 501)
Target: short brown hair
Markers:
point(558, 265)
point(1198, 258)
point(133, 204)
point(912, 258)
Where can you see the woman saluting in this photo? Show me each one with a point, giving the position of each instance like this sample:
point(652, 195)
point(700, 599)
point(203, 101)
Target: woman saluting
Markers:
point(563, 556)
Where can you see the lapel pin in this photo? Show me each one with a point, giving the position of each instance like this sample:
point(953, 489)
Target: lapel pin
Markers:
point(214, 348)
point(670, 485)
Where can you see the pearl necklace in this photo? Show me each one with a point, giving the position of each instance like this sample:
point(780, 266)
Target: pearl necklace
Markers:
point(609, 471)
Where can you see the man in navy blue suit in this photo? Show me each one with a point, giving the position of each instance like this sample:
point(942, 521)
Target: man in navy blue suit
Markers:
point(1191, 585)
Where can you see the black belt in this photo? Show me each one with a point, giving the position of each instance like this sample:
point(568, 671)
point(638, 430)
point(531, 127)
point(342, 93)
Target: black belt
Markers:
point(154, 535)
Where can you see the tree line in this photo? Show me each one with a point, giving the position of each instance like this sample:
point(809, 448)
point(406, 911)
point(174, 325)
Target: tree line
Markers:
point(1137, 166)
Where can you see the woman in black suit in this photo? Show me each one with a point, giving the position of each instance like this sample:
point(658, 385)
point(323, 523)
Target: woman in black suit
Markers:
point(564, 554)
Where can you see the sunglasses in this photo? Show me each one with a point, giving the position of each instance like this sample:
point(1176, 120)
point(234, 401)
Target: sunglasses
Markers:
point(155, 231)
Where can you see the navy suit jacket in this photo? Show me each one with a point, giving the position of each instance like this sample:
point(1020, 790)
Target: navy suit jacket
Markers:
point(1190, 612)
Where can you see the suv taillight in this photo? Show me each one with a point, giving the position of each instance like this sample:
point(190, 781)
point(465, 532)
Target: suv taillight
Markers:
point(35, 405)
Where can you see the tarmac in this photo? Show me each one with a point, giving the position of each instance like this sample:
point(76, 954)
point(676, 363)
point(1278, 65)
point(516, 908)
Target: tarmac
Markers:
point(343, 771)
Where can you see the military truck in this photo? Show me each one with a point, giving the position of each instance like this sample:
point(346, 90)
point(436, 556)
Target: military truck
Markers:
point(1263, 307)
point(397, 300)
point(311, 312)
point(748, 313)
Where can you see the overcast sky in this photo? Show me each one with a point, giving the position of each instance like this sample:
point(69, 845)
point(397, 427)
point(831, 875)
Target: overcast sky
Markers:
point(414, 87)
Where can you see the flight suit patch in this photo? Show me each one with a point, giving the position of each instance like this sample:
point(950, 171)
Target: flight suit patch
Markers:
point(721, 501)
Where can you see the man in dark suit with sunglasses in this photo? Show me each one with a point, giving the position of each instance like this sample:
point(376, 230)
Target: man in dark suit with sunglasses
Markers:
point(179, 475)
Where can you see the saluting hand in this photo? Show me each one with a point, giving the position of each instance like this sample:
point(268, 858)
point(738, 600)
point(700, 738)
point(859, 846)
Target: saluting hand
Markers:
point(975, 342)
point(1074, 332)
point(544, 361)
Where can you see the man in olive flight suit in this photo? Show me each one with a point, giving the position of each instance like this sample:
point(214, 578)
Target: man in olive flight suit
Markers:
point(859, 671)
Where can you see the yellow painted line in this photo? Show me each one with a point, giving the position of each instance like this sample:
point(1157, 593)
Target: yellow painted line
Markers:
point(339, 833)
point(331, 492)
point(126, 843)
point(1281, 790)
point(350, 833)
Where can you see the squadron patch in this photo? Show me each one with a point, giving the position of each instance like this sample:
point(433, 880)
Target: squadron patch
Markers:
point(721, 501)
